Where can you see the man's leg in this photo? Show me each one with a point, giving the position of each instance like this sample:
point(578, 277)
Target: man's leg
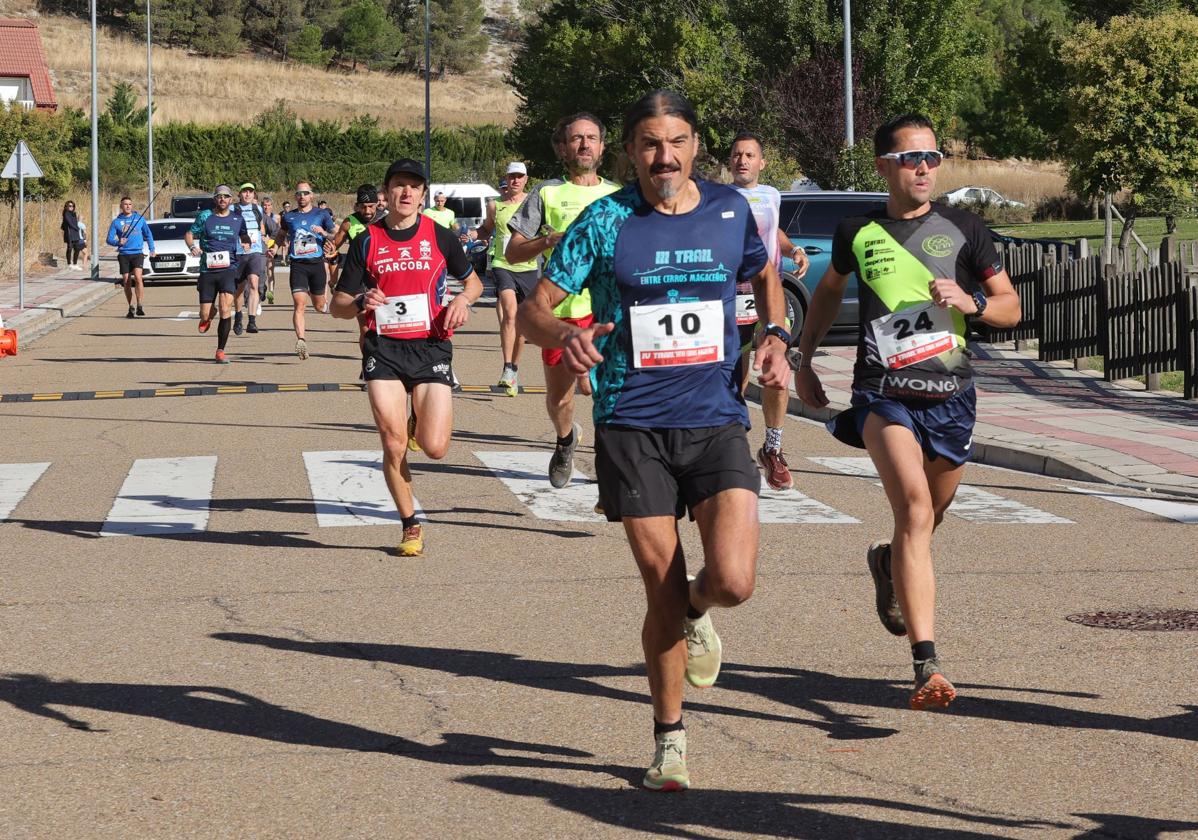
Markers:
point(224, 302)
point(728, 528)
point(773, 405)
point(506, 312)
point(141, 289)
point(127, 285)
point(389, 404)
point(251, 303)
point(299, 300)
point(432, 403)
point(559, 402)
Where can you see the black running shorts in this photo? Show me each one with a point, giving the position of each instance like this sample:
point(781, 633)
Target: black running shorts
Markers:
point(308, 277)
point(666, 472)
point(211, 282)
point(248, 264)
point(412, 361)
point(521, 282)
point(127, 262)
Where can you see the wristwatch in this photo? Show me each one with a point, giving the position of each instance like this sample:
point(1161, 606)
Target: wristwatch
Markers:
point(360, 302)
point(980, 302)
point(794, 358)
point(778, 332)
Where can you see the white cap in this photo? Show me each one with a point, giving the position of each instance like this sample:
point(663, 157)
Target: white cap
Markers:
point(516, 167)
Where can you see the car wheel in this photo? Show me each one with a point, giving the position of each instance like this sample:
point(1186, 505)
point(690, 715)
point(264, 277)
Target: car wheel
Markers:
point(795, 313)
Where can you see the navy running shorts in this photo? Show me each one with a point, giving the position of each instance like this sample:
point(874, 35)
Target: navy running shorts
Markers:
point(943, 428)
point(210, 283)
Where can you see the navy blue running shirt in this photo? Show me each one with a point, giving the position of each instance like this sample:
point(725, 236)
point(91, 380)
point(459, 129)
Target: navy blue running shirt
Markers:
point(668, 283)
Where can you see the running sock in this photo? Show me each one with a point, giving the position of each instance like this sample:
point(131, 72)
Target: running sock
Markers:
point(923, 650)
point(773, 439)
point(660, 728)
point(691, 612)
point(568, 440)
point(408, 521)
point(222, 332)
point(509, 365)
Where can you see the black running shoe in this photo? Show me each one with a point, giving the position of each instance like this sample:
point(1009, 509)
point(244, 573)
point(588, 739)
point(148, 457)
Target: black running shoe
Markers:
point(238, 329)
point(130, 314)
point(887, 605)
point(141, 313)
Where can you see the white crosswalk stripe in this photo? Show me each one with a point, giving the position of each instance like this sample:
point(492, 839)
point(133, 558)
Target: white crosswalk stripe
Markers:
point(348, 489)
point(1183, 512)
point(971, 503)
point(16, 480)
point(163, 496)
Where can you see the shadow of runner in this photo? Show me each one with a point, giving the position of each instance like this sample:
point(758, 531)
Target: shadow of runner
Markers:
point(1131, 828)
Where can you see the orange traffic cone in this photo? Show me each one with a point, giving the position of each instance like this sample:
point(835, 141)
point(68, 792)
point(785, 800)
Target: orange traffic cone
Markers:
point(8, 343)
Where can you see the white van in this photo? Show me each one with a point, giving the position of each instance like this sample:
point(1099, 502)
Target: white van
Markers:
point(467, 201)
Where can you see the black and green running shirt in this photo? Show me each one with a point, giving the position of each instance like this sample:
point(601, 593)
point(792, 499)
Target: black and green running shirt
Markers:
point(908, 346)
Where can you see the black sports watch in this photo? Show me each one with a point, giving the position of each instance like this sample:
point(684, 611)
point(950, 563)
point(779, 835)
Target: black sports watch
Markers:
point(778, 332)
point(360, 302)
point(980, 301)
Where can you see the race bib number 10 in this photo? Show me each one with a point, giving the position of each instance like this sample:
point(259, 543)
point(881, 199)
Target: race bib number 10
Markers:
point(912, 335)
point(673, 334)
point(402, 315)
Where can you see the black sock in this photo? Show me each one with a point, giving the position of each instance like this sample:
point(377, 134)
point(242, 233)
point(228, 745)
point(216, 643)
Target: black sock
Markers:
point(515, 367)
point(408, 521)
point(567, 440)
point(659, 728)
point(222, 332)
point(923, 650)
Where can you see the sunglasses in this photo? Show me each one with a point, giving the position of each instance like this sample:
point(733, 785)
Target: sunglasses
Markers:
point(303, 192)
point(912, 159)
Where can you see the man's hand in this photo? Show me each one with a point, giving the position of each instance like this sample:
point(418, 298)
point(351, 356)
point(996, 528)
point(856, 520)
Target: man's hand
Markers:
point(373, 299)
point(809, 389)
point(152, 255)
point(770, 361)
point(802, 263)
point(578, 350)
point(195, 250)
point(457, 312)
point(318, 230)
point(947, 293)
point(553, 237)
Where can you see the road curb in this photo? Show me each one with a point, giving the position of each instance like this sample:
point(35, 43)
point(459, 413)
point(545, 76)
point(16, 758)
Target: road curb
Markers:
point(31, 324)
point(994, 453)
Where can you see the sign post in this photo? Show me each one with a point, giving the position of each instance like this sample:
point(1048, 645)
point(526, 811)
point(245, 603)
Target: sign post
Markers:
point(21, 165)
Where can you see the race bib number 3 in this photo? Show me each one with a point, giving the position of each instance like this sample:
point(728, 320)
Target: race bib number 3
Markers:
point(674, 334)
point(402, 315)
point(746, 310)
point(218, 259)
point(912, 335)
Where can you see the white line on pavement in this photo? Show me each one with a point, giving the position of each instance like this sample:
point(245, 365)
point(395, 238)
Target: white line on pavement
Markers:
point(348, 488)
point(15, 481)
point(526, 474)
point(163, 496)
point(1183, 512)
point(791, 507)
point(185, 316)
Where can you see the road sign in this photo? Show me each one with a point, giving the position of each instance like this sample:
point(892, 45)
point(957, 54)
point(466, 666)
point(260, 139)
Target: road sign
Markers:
point(21, 163)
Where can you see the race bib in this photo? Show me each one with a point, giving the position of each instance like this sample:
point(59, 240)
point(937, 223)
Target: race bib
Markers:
point(255, 237)
point(306, 246)
point(746, 310)
point(217, 259)
point(673, 334)
point(402, 315)
point(912, 335)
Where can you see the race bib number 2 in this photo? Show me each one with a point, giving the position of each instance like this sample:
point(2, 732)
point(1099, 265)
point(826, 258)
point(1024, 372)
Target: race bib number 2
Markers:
point(746, 310)
point(673, 334)
point(402, 315)
point(913, 335)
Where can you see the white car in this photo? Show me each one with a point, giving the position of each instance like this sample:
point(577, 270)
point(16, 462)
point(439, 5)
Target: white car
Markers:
point(171, 260)
point(979, 195)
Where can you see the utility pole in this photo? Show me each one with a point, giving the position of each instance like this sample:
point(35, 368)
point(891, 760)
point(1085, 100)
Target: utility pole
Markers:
point(428, 153)
point(150, 111)
point(95, 238)
point(848, 75)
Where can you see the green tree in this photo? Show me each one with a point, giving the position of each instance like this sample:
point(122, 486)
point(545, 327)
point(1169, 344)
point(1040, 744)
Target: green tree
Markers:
point(365, 34)
point(306, 48)
point(58, 143)
point(120, 110)
point(1133, 109)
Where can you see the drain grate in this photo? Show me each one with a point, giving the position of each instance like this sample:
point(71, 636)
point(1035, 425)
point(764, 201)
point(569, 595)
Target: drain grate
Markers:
point(1139, 620)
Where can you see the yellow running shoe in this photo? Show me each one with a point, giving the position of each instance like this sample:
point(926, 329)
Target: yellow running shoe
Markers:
point(413, 446)
point(413, 542)
point(703, 651)
point(668, 770)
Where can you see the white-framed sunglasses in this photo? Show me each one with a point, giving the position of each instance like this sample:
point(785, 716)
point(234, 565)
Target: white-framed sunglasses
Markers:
point(913, 158)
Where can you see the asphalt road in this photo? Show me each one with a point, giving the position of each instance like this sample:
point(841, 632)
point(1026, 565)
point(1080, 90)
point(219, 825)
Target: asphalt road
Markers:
point(236, 668)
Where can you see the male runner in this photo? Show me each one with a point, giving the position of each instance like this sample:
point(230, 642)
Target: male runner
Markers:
point(513, 281)
point(746, 163)
point(536, 227)
point(923, 268)
point(353, 225)
point(396, 273)
point(129, 233)
point(662, 259)
point(439, 213)
point(270, 221)
point(221, 235)
point(252, 261)
point(306, 234)
point(380, 208)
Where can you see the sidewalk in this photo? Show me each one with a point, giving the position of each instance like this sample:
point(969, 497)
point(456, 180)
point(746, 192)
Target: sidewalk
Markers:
point(1036, 417)
point(52, 298)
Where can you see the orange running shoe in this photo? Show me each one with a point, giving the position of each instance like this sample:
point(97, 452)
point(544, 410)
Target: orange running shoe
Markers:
point(204, 325)
point(932, 688)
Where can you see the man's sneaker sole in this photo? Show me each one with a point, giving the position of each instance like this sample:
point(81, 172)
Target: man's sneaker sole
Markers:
point(885, 603)
point(301, 349)
point(669, 784)
point(936, 693)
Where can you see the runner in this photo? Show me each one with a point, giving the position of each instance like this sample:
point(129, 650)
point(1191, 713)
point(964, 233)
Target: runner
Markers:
point(746, 163)
point(221, 234)
point(513, 281)
point(365, 212)
point(252, 261)
point(396, 274)
point(923, 269)
point(306, 234)
point(380, 208)
point(271, 221)
point(662, 258)
point(441, 214)
point(130, 235)
point(536, 227)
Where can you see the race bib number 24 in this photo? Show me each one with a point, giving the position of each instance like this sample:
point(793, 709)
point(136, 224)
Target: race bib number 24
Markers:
point(912, 335)
point(672, 334)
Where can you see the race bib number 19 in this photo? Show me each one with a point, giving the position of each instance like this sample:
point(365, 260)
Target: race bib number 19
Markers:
point(402, 315)
point(912, 335)
point(673, 334)
point(218, 259)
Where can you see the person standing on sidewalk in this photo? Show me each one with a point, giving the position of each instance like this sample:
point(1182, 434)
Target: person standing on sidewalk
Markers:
point(924, 268)
point(746, 162)
point(662, 258)
point(306, 232)
point(72, 236)
point(217, 237)
point(396, 274)
point(536, 228)
point(130, 235)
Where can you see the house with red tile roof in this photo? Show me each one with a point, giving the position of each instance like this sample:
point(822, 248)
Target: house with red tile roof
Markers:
point(24, 75)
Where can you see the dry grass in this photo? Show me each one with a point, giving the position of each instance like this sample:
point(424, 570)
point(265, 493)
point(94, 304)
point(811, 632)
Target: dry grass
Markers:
point(196, 89)
point(1026, 181)
point(42, 231)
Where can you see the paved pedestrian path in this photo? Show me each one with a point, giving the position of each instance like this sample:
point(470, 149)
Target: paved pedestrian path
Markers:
point(51, 298)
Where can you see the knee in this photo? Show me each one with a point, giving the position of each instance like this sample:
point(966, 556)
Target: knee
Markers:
point(395, 444)
point(728, 590)
point(917, 516)
point(435, 449)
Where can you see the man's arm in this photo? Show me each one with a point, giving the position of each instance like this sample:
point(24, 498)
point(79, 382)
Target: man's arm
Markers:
point(352, 284)
point(522, 249)
point(113, 238)
point(825, 304)
point(795, 252)
point(770, 358)
point(149, 237)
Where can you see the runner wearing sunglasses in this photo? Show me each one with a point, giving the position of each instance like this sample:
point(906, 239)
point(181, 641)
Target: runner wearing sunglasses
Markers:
point(306, 233)
point(923, 269)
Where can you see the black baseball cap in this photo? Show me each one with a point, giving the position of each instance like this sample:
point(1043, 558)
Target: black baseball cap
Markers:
point(407, 166)
point(367, 194)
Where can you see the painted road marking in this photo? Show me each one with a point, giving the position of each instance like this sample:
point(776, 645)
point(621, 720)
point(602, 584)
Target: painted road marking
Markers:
point(526, 474)
point(971, 503)
point(16, 480)
point(163, 496)
point(348, 488)
point(790, 507)
point(1183, 512)
point(225, 390)
point(185, 316)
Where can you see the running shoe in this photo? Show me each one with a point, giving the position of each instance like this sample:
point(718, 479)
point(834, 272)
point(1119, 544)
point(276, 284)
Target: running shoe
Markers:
point(141, 313)
point(301, 348)
point(884, 600)
point(204, 326)
point(251, 325)
point(413, 445)
point(703, 651)
point(130, 314)
point(777, 471)
point(507, 381)
point(412, 544)
point(561, 465)
point(221, 359)
point(270, 296)
point(932, 688)
point(668, 770)
point(238, 329)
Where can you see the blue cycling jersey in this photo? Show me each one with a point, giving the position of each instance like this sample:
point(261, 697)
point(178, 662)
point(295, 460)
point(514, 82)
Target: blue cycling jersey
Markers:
point(219, 239)
point(306, 245)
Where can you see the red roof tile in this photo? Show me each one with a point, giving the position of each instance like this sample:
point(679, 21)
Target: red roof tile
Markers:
point(21, 54)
